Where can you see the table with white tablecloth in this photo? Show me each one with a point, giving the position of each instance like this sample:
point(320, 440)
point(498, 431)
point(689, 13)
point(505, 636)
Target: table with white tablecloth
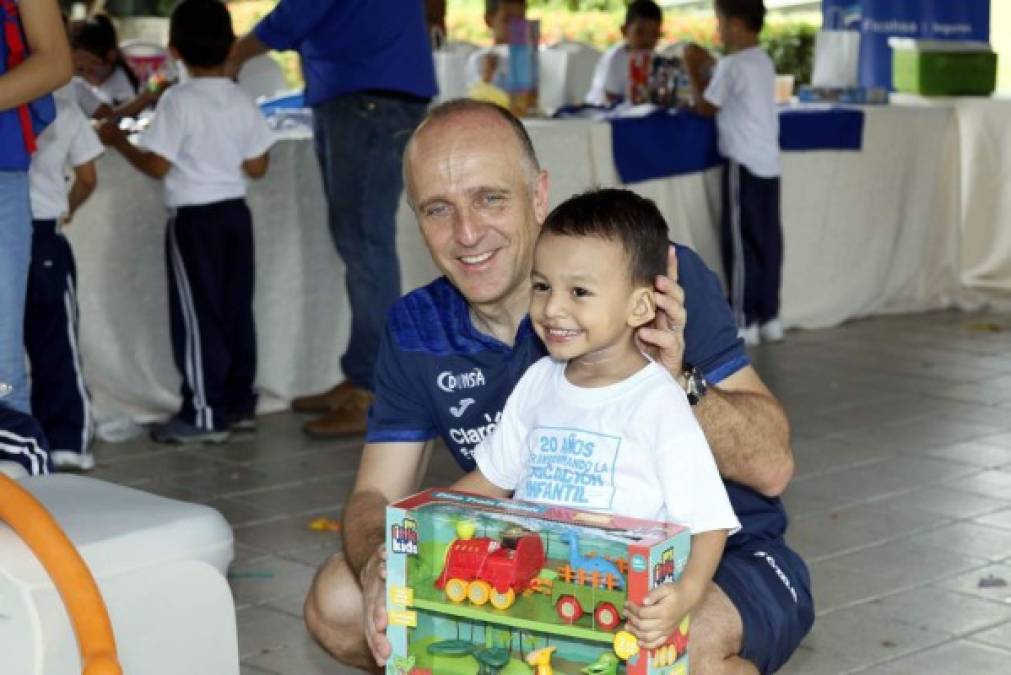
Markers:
point(866, 232)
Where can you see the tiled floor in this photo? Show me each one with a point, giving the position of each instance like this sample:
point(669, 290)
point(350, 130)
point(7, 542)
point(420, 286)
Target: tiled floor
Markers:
point(901, 503)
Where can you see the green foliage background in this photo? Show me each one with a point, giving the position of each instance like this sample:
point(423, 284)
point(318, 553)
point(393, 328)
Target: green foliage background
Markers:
point(789, 41)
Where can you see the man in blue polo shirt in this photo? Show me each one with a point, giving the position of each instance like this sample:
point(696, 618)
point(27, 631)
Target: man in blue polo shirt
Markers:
point(369, 76)
point(453, 350)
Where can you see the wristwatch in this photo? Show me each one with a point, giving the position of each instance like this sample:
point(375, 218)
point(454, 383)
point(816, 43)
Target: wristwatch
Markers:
point(695, 383)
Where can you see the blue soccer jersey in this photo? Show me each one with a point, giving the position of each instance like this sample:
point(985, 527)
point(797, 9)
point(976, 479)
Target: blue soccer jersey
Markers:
point(437, 375)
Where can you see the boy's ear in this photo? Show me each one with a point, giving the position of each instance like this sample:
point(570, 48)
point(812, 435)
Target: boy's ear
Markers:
point(643, 307)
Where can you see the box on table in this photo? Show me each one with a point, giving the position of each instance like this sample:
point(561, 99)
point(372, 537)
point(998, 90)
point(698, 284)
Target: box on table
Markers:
point(943, 67)
point(481, 585)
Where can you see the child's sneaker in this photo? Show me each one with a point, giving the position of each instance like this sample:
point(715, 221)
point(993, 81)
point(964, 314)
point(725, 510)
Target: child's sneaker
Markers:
point(772, 331)
point(71, 460)
point(246, 424)
point(749, 335)
point(180, 431)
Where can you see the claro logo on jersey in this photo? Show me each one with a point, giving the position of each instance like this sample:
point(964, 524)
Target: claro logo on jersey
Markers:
point(474, 435)
point(404, 537)
point(450, 382)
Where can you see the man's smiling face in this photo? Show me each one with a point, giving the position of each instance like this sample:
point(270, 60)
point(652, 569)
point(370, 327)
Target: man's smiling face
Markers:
point(479, 203)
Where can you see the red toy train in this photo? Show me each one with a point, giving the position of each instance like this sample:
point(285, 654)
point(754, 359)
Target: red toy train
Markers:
point(483, 570)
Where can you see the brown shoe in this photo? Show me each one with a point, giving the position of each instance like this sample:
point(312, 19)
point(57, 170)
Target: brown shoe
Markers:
point(347, 420)
point(325, 401)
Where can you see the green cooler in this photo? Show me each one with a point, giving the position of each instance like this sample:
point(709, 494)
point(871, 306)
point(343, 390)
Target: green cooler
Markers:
point(943, 67)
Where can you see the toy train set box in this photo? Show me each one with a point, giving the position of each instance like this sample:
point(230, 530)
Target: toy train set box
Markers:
point(482, 586)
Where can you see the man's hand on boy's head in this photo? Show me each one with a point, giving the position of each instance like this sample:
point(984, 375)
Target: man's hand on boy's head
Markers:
point(658, 616)
point(664, 338)
point(374, 617)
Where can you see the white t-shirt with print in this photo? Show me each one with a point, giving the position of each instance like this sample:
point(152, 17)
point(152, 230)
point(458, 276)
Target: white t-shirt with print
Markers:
point(743, 88)
point(206, 127)
point(609, 76)
point(633, 448)
point(68, 142)
point(116, 90)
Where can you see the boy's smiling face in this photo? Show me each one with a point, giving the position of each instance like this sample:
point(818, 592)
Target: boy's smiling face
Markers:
point(583, 304)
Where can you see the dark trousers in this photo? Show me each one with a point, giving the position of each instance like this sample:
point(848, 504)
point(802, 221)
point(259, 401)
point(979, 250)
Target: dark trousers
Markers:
point(752, 244)
point(22, 442)
point(209, 251)
point(360, 140)
point(60, 399)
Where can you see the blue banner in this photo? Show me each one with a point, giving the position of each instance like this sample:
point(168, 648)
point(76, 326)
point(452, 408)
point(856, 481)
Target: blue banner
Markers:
point(878, 20)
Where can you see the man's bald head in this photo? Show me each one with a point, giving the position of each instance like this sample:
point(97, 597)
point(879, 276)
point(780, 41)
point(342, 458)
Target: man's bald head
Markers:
point(462, 112)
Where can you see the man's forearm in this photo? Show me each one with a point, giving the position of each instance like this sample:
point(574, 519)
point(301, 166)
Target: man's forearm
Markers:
point(364, 527)
point(750, 438)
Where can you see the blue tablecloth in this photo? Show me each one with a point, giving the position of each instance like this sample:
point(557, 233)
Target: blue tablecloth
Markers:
point(673, 143)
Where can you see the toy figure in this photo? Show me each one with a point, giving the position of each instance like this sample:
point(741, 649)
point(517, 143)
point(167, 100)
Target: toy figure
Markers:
point(606, 664)
point(601, 565)
point(540, 659)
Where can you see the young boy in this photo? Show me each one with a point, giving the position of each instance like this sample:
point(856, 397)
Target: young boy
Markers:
point(60, 399)
point(741, 94)
point(597, 425)
point(641, 30)
point(490, 65)
point(205, 135)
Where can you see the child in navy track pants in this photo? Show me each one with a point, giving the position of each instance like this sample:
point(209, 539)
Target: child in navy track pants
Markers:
point(59, 395)
point(739, 90)
point(207, 136)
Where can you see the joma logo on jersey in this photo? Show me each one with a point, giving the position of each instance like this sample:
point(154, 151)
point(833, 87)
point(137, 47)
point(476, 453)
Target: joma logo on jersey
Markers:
point(451, 382)
point(404, 537)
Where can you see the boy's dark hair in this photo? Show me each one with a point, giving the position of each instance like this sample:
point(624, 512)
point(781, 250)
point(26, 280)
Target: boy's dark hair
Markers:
point(617, 215)
point(491, 6)
point(201, 31)
point(643, 10)
point(751, 12)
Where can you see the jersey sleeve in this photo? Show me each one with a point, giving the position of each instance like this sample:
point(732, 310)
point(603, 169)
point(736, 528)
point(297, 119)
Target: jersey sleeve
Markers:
point(260, 137)
point(502, 456)
point(167, 131)
point(616, 76)
point(88, 97)
point(291, 21)
point(85, 145)
point(711, 342)
point(693, 491)
point(721, 87)
point(400, 412)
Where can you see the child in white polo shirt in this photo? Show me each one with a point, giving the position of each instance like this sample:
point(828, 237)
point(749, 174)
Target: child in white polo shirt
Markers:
point(206, 137)
point(741, 94)
point(596, 424)
point(641, 31)
point(60, 400)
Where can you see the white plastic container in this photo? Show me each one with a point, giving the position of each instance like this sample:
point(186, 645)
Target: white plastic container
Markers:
point(160, 565)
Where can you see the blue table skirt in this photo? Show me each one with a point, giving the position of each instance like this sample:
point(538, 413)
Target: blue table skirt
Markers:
point(670, 144)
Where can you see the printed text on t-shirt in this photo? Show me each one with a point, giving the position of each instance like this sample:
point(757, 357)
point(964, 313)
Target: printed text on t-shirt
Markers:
point(571, 467)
